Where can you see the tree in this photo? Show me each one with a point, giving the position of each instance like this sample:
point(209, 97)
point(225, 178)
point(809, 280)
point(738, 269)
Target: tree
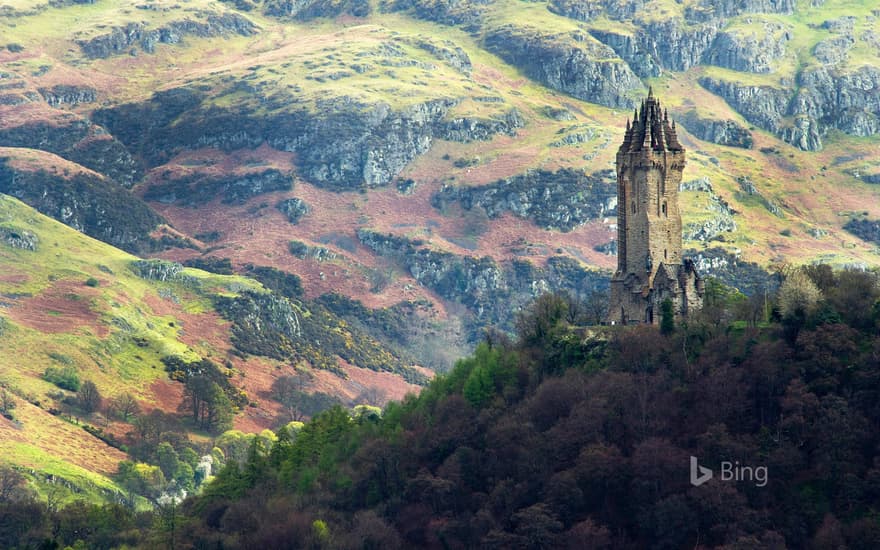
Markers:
point(209, 405)
point(798, 299)
point(289, 390)
point(11, 482)
point(88, 397)
point(125, 406)
point(596, 306)
point(536, 323)
point(798, 296)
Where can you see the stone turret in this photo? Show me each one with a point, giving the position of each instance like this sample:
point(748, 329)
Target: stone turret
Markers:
point(650, 268)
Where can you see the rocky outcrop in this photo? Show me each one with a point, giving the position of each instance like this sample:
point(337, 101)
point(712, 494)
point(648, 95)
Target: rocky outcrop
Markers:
point(18, 238)
point(575, 63)
point(721, 220)
point(559, 200)
point(468, 15)
point(63, 94)
point(834, 50)
point(723, 132)
point(305, 10)
point(763, 106)
point(586, 11)
point(122, 40)
point(747, 277)
point(294, 209)
point(467, 129)
point(493, 292)
point(198, 188)
point(674, 45)
point(318, 253)
point(749, 51)
point(156, 270)
point(803, 134)
point(449, 52)
point(378, 141)
point(867, 230)
point(732, 8)
point(846, 100)
point(631, 49)
point(97, 207)
point(262, 324)
point(78, 140)
point(574, 135)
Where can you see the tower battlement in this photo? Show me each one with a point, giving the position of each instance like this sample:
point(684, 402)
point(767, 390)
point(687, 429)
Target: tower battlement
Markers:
point(650, 267)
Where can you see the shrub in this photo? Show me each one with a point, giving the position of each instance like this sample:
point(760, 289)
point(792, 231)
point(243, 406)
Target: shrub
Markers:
point(92, 282)
point(65, 378)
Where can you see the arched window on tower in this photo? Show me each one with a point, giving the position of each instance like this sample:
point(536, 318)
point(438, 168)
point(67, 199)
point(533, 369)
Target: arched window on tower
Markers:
point(663, 208)
point(633, 207)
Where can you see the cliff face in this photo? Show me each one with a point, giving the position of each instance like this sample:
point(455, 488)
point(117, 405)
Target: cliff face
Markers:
point(126, 39)
point(341, 144)
point(576, 64)
point(85, 201)
point(76, 139)
point(491, 291)
point(559, 200)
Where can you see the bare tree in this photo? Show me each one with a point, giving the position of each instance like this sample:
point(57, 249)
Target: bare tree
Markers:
point(125, 406)
point(11, 482)
point(372, 396)
point(88, 397)
point(596, 306)
point(288, 391)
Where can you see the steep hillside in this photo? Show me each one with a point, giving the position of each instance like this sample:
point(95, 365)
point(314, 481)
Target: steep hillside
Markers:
point(484, 130)
point(74, 310)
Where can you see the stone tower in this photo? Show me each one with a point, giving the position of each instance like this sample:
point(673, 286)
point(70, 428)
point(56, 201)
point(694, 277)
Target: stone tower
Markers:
point(650, 268)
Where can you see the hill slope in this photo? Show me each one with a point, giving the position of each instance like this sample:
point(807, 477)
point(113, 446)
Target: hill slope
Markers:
point(72, 305)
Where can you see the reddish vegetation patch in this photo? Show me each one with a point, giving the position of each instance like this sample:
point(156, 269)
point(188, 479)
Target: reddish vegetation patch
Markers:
point(213, 163)
point(28, 113)
point(167, 395)
point(63, 307)
point(390, 387)
point(259, 374)
point(12, 276)
point(59, 439)
point(197, 330)
point(32, 160)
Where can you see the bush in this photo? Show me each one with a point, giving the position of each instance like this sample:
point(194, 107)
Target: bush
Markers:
point(14, 47)
point(65, 378)
point(92, 282)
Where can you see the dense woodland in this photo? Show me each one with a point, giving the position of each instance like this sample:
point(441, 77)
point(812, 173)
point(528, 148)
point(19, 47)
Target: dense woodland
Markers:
point(566, 437)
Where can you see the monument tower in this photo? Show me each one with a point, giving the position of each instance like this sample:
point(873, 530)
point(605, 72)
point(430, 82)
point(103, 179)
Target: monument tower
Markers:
point(650, 267)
